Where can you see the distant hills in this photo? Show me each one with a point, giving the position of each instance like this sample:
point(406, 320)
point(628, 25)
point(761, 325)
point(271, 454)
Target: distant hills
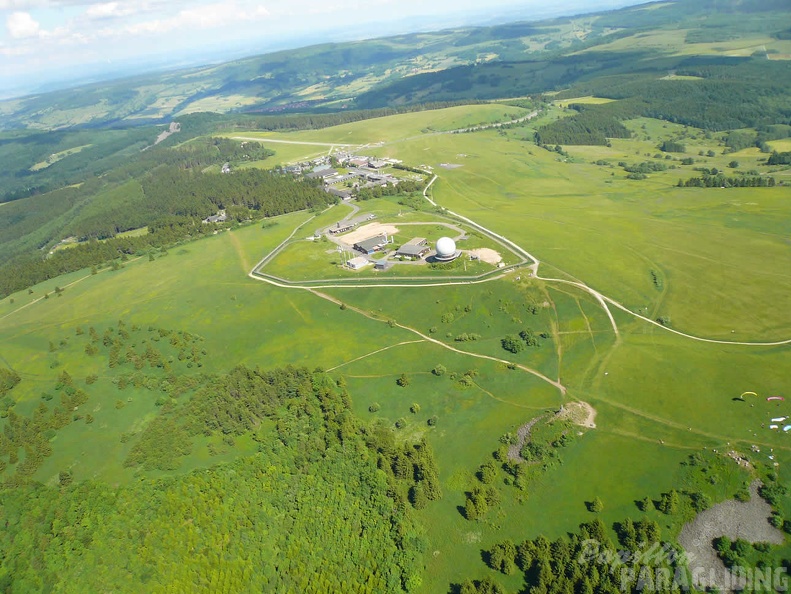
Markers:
point(450, 65)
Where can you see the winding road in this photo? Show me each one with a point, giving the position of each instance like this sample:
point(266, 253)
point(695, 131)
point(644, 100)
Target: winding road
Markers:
point(604, 301)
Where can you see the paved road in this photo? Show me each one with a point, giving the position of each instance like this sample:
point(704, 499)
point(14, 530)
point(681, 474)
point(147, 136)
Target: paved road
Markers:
point(603, 300)
point(600, 297)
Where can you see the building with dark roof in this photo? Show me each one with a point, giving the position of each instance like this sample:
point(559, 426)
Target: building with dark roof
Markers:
point(342, 227)
point(414, 248)
point(342, 194)
point(371, 245)
point(323, 174)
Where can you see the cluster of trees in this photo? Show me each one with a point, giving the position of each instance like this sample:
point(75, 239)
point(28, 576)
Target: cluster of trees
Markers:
point(779, 158)
point(32, 434)
point(324, 506)
point(644, 167)
point(657, 280)
point(590, 127)
point(526, 338)
point(722, 181)
point(123, 345)
point(672, 146)
point(180, 192)
point(8, 379)
point(540, 449)
point(480, 500)
point(405, 186)
point(587, 561)
point(202, 152)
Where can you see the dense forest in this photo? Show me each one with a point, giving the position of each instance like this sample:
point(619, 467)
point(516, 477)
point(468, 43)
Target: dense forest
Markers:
point(323, 506)
point(171, 202)
point(588, 561)
point(727, 93)
point(591, 126)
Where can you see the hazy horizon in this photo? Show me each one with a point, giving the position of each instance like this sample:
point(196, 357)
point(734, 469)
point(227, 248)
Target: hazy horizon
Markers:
point(54, 44)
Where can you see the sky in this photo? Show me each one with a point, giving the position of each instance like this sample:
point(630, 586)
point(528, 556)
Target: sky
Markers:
point(42, 41)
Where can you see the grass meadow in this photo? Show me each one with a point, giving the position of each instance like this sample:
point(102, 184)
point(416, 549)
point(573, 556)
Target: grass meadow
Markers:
point(714, 262)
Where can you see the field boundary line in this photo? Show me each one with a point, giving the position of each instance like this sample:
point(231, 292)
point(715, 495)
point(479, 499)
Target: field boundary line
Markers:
point(376, 352)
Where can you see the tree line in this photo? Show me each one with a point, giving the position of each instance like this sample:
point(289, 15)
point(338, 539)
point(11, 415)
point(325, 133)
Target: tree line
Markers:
point(587, 561)
point(722, 181)
point(172, 204)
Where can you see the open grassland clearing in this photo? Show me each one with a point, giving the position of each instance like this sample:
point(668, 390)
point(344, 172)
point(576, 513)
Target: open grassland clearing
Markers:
point(285, 154)
point(713, 261)
point(587, 100)
point(55, 157)
point(200, 288)
point(469, 419)
point(612, 232)
point(563, 325)
point(399, 127)
point(219, 104)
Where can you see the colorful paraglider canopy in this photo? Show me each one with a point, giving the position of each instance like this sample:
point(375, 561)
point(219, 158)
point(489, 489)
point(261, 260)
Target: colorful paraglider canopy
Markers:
point(749, 394)
point(775, 398)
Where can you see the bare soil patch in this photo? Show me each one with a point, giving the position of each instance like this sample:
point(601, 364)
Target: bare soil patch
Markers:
point(579, 413)
point(487, 255)
point(366, 231)
point(734, 519)
point(172, 129)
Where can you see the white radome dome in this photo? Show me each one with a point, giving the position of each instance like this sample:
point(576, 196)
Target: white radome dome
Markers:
point(446, 247)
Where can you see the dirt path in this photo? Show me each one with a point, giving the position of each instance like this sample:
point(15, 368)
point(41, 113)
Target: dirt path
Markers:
point(237, 245)
point(427, 338)
point(376, 352)
point(734, 519)
point(522, 435)
point(508, 402)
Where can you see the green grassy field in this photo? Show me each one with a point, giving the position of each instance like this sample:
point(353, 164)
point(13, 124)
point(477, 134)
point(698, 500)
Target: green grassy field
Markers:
point(398, 128)
point(306, 259)
point(714, 262)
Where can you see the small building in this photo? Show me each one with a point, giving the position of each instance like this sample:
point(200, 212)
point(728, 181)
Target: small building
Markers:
point(371, 245)
point(342, 194)
point(339, 179)
point(220, 217)
point(414, 248)
point(358, 262)
point(342, 227)
point(322, 174)
point(377, 163)
point(382, 264)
